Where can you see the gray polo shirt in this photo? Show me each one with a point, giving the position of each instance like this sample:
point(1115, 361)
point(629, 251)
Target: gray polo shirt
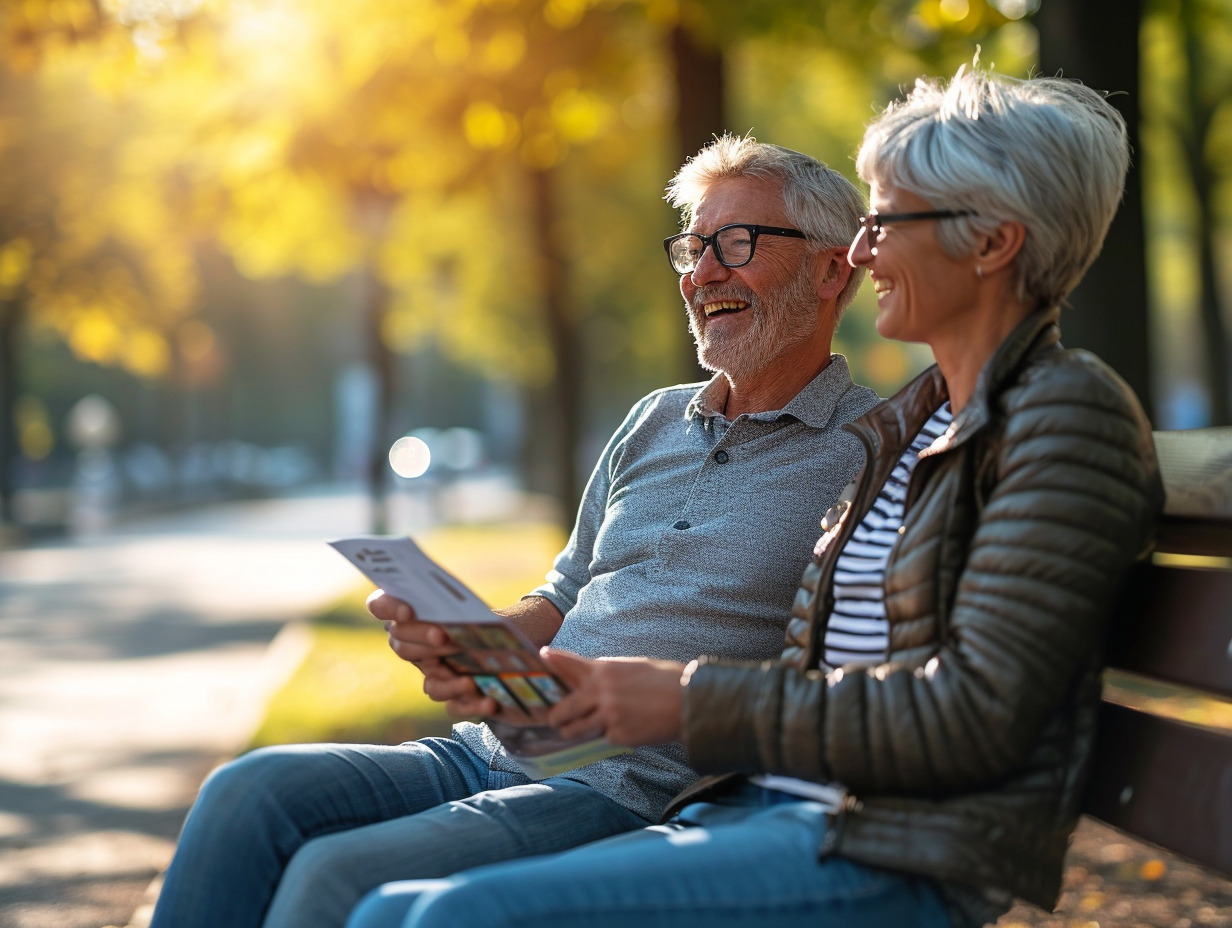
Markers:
point(691, 539)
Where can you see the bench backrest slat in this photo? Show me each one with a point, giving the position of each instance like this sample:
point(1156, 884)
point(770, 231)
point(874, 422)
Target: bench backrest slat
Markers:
point(1165, 781)
point(1175, 624)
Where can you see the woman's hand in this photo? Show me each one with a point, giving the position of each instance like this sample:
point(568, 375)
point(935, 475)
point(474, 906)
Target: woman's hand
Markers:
point(631, 700)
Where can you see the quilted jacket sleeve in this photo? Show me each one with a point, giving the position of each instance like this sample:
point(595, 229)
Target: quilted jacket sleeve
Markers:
point(993, 622)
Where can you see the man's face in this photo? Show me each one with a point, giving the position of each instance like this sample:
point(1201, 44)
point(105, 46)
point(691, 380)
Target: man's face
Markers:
point(746, 319)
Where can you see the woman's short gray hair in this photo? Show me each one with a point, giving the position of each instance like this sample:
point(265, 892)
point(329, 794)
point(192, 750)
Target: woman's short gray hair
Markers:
point(819, 200)
point(1045, 151)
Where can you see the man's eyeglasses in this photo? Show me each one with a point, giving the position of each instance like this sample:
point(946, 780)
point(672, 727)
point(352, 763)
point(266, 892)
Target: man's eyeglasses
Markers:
point(873, 222)
point(733, 245)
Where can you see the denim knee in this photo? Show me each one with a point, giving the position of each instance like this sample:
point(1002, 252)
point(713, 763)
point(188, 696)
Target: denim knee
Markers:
point(387, 906)
point(320, 879)
point(372, 910)
point(239, 781)
point(444, 904)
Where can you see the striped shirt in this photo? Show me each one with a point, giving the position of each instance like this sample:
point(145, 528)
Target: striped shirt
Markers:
point(857, 631)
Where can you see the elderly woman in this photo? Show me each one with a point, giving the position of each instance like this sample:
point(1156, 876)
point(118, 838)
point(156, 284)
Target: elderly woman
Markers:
point(916, 756)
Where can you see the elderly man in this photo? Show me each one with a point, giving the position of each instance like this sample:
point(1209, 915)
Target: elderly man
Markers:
point(690, 539)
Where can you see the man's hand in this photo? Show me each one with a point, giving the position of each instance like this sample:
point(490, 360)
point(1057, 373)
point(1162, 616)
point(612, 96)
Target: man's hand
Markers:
point(425, 644)
point(630, 700)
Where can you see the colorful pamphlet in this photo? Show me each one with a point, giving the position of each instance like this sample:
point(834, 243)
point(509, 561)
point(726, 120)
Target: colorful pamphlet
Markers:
point(504, 663)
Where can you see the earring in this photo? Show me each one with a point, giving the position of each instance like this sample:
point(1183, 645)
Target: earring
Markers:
point(979, 272)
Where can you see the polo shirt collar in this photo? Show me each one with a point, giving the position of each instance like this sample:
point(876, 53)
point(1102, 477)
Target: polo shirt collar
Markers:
point(814, 405)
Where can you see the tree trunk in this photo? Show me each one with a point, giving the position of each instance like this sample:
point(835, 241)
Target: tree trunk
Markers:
point(563, 332)
point(1193, 141)
point(701, 99)
point(12, 314)
point(700, 92)
point(1097, 42)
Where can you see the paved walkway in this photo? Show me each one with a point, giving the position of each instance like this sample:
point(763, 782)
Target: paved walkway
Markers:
point(129, 666)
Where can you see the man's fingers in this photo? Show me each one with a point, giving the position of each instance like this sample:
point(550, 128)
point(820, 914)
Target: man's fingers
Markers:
point(434, 669)
point(415, 641)
point(417, 654)
point(447, 688)
point(472, 707)
point(400, 618)
point(388, 609)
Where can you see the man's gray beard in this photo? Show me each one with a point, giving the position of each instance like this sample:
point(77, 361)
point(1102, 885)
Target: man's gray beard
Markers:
point(781, 321)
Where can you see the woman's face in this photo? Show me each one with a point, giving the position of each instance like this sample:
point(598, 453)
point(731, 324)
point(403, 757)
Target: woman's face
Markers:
point(923, 294)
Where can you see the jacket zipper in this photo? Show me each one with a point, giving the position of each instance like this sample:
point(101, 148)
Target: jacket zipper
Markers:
point(856, 511)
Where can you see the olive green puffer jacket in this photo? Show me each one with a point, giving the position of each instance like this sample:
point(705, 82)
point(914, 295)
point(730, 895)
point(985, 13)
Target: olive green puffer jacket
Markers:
point(964, 752)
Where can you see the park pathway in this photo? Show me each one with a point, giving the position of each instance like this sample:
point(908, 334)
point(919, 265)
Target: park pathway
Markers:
point(130, 664)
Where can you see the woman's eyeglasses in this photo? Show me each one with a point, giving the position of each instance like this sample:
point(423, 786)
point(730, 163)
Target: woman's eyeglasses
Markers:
point(873, 222)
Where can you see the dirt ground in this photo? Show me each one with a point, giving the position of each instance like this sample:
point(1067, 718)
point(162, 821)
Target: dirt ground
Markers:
point(1113, 882)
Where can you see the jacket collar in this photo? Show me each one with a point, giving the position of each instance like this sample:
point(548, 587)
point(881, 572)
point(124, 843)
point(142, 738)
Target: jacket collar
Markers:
point(899, 418)
point(1039, 330)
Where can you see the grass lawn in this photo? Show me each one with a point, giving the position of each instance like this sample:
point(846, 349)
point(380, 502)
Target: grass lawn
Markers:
point(351, 687)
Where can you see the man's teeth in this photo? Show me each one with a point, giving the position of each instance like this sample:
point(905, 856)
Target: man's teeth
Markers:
point(712, 308)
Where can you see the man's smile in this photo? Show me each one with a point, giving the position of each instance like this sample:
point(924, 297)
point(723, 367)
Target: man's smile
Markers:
point(724, 306)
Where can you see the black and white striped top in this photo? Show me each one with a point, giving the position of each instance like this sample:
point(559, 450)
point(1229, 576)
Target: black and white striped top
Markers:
point(857, 631)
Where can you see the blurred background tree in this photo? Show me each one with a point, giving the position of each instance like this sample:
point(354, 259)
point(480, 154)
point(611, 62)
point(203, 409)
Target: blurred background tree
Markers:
point(279, 234)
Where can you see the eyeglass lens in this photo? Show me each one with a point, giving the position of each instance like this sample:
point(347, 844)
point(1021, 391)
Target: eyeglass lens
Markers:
point(733, 247)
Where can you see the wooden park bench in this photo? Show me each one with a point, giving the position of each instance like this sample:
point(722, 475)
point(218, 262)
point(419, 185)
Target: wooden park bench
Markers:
point(1157, 778)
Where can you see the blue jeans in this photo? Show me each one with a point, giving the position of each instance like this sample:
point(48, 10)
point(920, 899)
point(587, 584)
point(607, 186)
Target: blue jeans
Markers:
point(723, 866)
point(293, 837)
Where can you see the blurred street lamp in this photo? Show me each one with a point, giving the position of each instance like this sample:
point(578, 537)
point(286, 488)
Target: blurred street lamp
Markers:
point(93, 428)
point(92, 423)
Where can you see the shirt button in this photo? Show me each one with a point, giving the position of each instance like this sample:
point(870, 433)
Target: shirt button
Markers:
point(682, 525)
point(721, 457)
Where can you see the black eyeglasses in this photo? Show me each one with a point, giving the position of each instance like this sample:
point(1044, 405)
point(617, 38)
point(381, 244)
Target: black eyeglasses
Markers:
point(733, 245)
point(873, 222)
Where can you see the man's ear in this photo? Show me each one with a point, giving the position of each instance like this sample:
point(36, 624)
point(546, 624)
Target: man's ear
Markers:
point(831, 273)
point(999, 248)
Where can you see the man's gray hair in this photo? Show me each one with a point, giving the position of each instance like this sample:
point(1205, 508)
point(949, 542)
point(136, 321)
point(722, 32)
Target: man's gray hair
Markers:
point(819, 201)
point(1045, 151)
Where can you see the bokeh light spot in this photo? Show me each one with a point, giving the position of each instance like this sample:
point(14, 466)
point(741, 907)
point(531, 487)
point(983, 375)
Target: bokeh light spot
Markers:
point(955, 10)
point(410, 457)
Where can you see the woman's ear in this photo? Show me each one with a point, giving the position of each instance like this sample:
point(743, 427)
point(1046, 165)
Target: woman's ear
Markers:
point(1000, 247)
